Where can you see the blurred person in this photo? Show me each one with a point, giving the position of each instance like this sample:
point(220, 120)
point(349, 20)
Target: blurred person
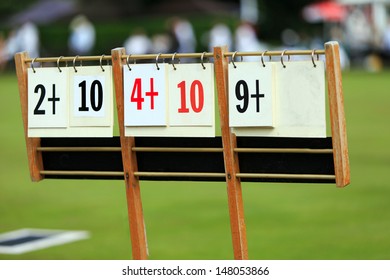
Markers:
point(220, 35)
point(246, 40)
point(174, 44)
point(292, 41)
point(28, 37)
point(82, 37)
point(138, 43)
point(358, 33)
point(184, 36)
point(386, 40)
point(3, 61)
point(11, 46)
point(161, 43)
point(336, 34)
point(24, 38)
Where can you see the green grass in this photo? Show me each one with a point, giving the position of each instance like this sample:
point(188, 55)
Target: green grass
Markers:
point(191, 220)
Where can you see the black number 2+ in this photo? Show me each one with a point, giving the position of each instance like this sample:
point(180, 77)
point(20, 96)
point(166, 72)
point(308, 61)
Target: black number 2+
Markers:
point(41, 88)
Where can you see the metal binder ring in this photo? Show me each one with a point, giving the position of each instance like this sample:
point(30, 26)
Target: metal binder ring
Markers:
point(32, 64)
point(58, 63)
point(201, 60)
point(101, 59)
point(281, 58)
point(262, 57)
point(127, 61)
point(233, 57)
point(158, 68)
point(312, 57)
point(173, 61)
point(74, 63)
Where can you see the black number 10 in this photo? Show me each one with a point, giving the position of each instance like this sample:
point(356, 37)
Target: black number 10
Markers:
point(96, 101)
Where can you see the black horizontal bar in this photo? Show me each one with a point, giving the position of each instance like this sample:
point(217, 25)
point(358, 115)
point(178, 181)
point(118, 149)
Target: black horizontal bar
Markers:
point(212, 162)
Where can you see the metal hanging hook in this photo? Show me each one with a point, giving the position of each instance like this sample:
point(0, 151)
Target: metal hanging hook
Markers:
point(74, 63)
point(312, 57)
point(281, 58)
point(233, 57)
point(127, 62)
point(58, 63)
point(158, 68)
point(101, 60)
point(32, 64)
point(202, 60)
point(173, 61)
point(262, 57)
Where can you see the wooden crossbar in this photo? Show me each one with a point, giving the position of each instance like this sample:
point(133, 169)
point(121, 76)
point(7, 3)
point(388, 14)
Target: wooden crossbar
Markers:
point(186, 174)
point(186, 150)
point(79, 149)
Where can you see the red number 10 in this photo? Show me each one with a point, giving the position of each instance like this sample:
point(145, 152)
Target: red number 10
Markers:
point(196, 97)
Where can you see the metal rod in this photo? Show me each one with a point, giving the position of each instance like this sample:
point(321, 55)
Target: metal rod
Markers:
point(131, 57)
point(179, 174)
point(188, 174)
point(79, 149)
point(285, 176)
point(170, 55)
point(81, 173)
point(174, 149)
point(70, 58)
point(284, 150)
point(276, 53)
point(186, 149)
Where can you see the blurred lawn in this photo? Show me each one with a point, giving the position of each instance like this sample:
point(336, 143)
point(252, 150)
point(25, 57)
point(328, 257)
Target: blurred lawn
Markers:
point(191, 220)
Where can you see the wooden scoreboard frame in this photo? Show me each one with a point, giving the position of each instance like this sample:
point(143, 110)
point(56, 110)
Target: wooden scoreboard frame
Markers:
point(230, 158)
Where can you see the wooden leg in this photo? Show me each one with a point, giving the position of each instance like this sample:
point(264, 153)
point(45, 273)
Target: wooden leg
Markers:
point(236, 207)
point(129, 159)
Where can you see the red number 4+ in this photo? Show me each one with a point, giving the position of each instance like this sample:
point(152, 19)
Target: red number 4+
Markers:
point(136, 94)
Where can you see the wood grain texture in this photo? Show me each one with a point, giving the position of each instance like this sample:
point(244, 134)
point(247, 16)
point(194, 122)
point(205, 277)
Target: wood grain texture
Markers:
point(34, 156)
point(337, 115)
point(236, 207)
point(129, 159)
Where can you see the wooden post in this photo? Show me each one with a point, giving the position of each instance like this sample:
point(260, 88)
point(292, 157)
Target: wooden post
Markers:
point(129, 159)
point(236, 207)
point(34, 157)
point(337, 116)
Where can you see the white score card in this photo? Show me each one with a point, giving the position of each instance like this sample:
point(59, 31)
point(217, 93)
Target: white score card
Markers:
point(47, 98)
point(251, 95)
point(169, 102)
point(145, 95)
point(91, 99)
point(66, 103)
point(191, 95)
point(299, 108)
